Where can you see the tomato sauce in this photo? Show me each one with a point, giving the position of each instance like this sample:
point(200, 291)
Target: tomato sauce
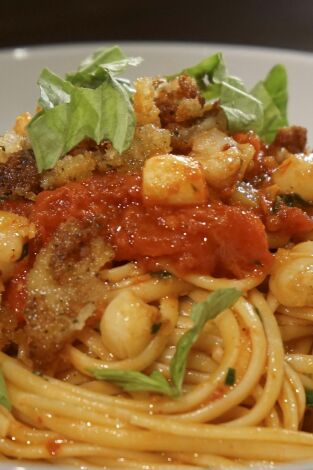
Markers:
point(291, 221)
point(17, 206)
point(209, 239)
point(15, 295)
point(53, 447)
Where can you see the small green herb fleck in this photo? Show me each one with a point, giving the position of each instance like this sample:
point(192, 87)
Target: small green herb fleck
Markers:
point(161, 274)
point(276, 205)
point(24, 251)
point(4, 398)
point(230, 376)
point(290, 200)
point(155, 328)
point(309, 397)
point(257, 311)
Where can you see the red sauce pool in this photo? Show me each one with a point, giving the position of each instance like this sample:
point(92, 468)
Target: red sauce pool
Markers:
point(209, 239)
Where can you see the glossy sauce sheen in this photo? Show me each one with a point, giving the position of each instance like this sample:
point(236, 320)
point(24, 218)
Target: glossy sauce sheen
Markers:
point(209, 239)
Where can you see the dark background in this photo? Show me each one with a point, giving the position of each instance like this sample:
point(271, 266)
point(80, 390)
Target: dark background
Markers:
point(276, 23)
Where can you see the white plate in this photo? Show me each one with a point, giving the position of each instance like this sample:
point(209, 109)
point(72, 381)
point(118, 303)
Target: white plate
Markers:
point(20, 69)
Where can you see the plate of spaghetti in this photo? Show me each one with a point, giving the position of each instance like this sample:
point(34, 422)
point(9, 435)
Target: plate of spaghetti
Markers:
point(156, 260)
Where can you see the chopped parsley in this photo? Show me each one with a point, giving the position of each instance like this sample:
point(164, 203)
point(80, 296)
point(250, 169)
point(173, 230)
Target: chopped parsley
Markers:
point(202, 312)
point(4, 398)
point(230, 378)
point(161, 274)
point(290, 200)
point(155, 328)
point(309, 397)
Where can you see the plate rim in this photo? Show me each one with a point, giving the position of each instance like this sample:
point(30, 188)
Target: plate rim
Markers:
point(240, 48)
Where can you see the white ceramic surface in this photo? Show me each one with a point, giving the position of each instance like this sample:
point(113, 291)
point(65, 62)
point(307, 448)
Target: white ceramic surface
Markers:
point(19, 69)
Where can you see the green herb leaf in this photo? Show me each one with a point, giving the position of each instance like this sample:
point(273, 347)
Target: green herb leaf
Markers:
point(230, 378)
point(201, 312)
point(272, 93)
point(309, 397)
point(4, 398)
point(263, 110)
point(204, 70)
point(276, 84)
point(53, 90)
point(242, 110)
point(134, 381)
point(95, 69)
point(89, 103)
point(216, 303)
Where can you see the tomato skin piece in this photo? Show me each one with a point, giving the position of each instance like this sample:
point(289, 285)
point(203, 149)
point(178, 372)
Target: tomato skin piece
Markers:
point(208, 239)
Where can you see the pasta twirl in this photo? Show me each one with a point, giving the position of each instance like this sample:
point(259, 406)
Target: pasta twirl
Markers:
point(156, 273)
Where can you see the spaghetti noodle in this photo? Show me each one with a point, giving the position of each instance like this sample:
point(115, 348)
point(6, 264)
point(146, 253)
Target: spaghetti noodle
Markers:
point(124, 251)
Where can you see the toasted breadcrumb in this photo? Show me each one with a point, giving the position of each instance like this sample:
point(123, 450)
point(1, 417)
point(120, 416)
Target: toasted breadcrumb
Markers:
point(21, 123)
point(145, 108)
point(69, 168)
point(149, 141)
point(11, 142)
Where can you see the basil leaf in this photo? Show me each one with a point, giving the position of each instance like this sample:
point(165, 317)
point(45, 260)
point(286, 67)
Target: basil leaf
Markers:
point(242, 110)
point(203, 71)
point(91, 103)
point(272, 93)
point(134, 381)
point(96, 67)
point(216, 303)
point(263, 110)
point(53, 90)
point(103, 113)
point(47, 133)
point(201, 312)
point(276, 84)
point(4, 398)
